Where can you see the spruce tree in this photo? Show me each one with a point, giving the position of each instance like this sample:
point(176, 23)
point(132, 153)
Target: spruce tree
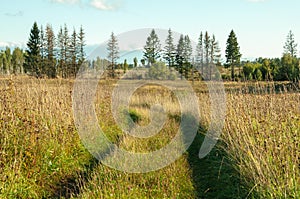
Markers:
point(290, 45)
point(66, 52)
point(187, 55)
point(152, 48)
point(50, 52)
point(43, 51)
point(232, 53)
point(81, 44)
point(33, 57)
point(60, 53)
point(113, 53)
point(207, 44)
point(215, 51)
point(169, 50)
point(180, 55)
point(214, 54)
point(188, 49)
point(200, 53)
point(73, 53)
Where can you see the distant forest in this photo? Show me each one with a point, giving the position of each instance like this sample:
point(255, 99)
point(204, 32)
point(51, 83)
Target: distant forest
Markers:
point(47, 54)
point(61, 55)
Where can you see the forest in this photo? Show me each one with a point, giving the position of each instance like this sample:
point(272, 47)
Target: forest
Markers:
point(61, 55)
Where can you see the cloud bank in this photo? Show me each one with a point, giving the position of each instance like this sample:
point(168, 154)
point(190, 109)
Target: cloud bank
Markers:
point(101, 5)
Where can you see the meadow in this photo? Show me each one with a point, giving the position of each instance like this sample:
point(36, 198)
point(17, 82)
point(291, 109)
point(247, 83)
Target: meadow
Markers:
point(41, 154)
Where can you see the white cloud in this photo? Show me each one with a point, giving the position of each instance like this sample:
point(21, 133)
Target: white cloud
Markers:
point(102, 5)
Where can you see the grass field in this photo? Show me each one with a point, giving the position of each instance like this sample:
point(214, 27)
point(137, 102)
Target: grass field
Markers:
point(41, 155)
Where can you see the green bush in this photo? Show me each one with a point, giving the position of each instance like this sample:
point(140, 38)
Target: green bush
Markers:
point(160, 71)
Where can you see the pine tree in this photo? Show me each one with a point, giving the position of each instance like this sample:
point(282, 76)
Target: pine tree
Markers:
point(180, 46)
point(214, 54)
point(180, 55)
point(216, 51)
point(290, 45)
point(187, 55)
point(207, 47)
point(169, 50)
point(113, 53)
point(73, 53)
point(50, 52)
point(43, 51)
point(64, 59)
point(32, 58)
point(200, 53)
point(207, 44)
point(66, 52)
point(152, 48)
point(232, 53)
point(81, 45)
point(60, 46)
point(188, 49)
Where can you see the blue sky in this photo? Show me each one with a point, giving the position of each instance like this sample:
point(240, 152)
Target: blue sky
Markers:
point(260, 25)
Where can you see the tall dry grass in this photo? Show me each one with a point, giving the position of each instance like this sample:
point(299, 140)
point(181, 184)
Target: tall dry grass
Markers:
point(41, 154)
point(262, 135)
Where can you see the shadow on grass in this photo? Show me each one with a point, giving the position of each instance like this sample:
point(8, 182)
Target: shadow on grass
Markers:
point(71, 185)
point(215, 176)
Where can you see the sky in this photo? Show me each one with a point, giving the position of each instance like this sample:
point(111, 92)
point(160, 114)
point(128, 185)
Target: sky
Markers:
point(261, 26)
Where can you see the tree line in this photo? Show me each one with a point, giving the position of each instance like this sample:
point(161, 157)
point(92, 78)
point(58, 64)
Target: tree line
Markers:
point(286, 68)
point(177, 56)
point(47, 55)
point(62, 55)
point(50, 55)
point(182, 58)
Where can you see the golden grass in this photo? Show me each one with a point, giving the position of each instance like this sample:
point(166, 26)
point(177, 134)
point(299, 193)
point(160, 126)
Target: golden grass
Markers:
point(41, 154)
point(262, 133)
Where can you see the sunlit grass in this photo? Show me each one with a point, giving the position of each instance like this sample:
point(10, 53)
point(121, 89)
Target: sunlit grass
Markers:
point(41, 154)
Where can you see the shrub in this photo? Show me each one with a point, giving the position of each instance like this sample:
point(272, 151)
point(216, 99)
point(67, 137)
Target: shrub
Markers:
point(159, 71)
